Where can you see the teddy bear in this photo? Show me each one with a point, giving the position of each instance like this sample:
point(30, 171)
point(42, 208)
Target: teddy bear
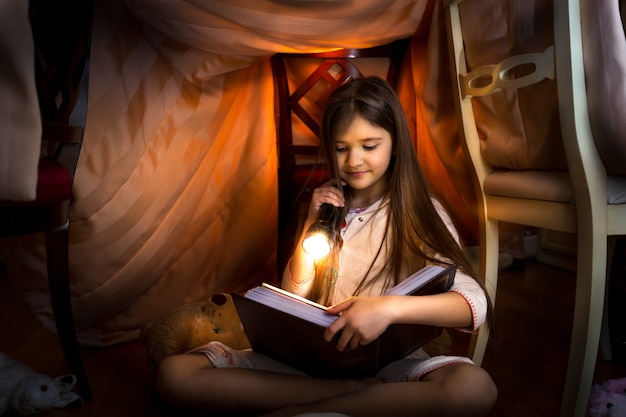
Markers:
point(608, 399)
point(191, 325)
point(27, 392)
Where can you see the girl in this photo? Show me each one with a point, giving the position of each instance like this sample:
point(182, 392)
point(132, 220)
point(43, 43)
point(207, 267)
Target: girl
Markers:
point(392, 227)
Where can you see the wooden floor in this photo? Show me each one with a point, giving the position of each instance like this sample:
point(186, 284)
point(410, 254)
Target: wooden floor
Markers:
point(534, 309)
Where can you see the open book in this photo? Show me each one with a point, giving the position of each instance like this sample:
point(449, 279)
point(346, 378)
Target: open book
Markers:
point(290, 328)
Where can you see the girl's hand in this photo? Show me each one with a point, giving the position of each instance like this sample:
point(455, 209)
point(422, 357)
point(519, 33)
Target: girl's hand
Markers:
point(327, 193)
point(301, 267)
point(361, 320)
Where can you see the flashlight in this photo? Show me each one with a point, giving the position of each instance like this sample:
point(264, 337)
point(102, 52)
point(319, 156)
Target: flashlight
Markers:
point(320, 236)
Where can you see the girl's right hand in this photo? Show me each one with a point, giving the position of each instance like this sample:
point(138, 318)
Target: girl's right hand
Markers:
point(326, 194)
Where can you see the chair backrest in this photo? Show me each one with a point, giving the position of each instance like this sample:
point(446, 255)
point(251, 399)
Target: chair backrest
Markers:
point(303, 82)
point(62, 38)
point(507, 80)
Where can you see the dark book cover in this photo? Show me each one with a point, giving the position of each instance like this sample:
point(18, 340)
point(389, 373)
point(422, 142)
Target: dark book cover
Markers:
point(290, 329)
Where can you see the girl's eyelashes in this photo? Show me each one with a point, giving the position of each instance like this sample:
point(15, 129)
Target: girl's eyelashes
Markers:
point(340, 149)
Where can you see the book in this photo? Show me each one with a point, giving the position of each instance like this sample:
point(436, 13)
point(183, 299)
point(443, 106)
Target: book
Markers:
point(290, 328)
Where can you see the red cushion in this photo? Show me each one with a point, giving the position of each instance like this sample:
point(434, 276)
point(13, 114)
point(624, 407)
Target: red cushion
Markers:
point(54, 181)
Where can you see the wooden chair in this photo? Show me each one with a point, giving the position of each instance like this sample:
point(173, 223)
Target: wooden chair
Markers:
point(581, 199)
point(62, 33)
point(300, 98)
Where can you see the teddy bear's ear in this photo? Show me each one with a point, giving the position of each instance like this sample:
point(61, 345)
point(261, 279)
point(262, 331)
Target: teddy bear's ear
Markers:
point(64, 385)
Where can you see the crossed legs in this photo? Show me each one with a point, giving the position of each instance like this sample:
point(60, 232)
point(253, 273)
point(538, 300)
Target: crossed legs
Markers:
point(190, 381)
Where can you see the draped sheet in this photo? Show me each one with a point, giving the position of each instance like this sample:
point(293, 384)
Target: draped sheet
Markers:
point(519, 128)
point(19, 111)
point(175, 195)
point(604, 49)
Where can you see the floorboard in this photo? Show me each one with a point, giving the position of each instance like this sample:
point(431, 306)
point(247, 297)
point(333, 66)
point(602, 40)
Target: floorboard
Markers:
point(527, 362)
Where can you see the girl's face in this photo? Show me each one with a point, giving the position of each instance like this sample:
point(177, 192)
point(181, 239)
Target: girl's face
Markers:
point(363, 155)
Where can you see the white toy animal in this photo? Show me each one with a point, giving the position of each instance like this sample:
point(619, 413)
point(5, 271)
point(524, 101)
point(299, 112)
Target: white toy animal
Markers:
point(27, 392)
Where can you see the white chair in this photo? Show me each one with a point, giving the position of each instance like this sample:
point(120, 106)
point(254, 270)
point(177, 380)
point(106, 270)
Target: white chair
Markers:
point(582, 199)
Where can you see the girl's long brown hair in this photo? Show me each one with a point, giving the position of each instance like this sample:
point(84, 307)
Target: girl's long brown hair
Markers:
point(413, 225)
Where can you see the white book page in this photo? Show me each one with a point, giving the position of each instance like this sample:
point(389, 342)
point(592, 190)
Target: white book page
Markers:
point(292, 295)
point(415, 280)
point(287, 302)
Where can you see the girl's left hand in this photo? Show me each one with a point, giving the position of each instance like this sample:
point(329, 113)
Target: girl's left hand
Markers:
point(361, 320)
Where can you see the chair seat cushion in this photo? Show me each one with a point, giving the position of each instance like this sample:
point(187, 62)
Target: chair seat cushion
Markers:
point(54, 185)
point(536, 185)
point(54, 182)
point(546, 185)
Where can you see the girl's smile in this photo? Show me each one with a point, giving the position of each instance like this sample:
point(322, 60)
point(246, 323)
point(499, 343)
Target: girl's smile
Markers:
point(363, 155)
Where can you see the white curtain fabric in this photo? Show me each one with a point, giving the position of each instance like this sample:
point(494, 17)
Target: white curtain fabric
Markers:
point(175, 196)
point(20, 129)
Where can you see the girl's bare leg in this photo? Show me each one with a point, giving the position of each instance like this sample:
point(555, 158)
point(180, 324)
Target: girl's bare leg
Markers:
point(189, 381)
point(455, 390)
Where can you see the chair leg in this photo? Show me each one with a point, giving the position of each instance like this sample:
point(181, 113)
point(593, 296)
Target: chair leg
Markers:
point(605, 337)
point(489, 258)
point(588, 308)
point(286, 230)
point(59, 282)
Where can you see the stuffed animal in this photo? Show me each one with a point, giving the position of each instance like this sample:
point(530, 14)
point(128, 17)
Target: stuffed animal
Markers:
point(27, 392)
point(608, 399)
point(192, 325)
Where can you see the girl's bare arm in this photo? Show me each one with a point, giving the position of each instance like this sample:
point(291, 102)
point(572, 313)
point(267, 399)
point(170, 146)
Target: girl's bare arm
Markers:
point(301, 266)
point(363, 319)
